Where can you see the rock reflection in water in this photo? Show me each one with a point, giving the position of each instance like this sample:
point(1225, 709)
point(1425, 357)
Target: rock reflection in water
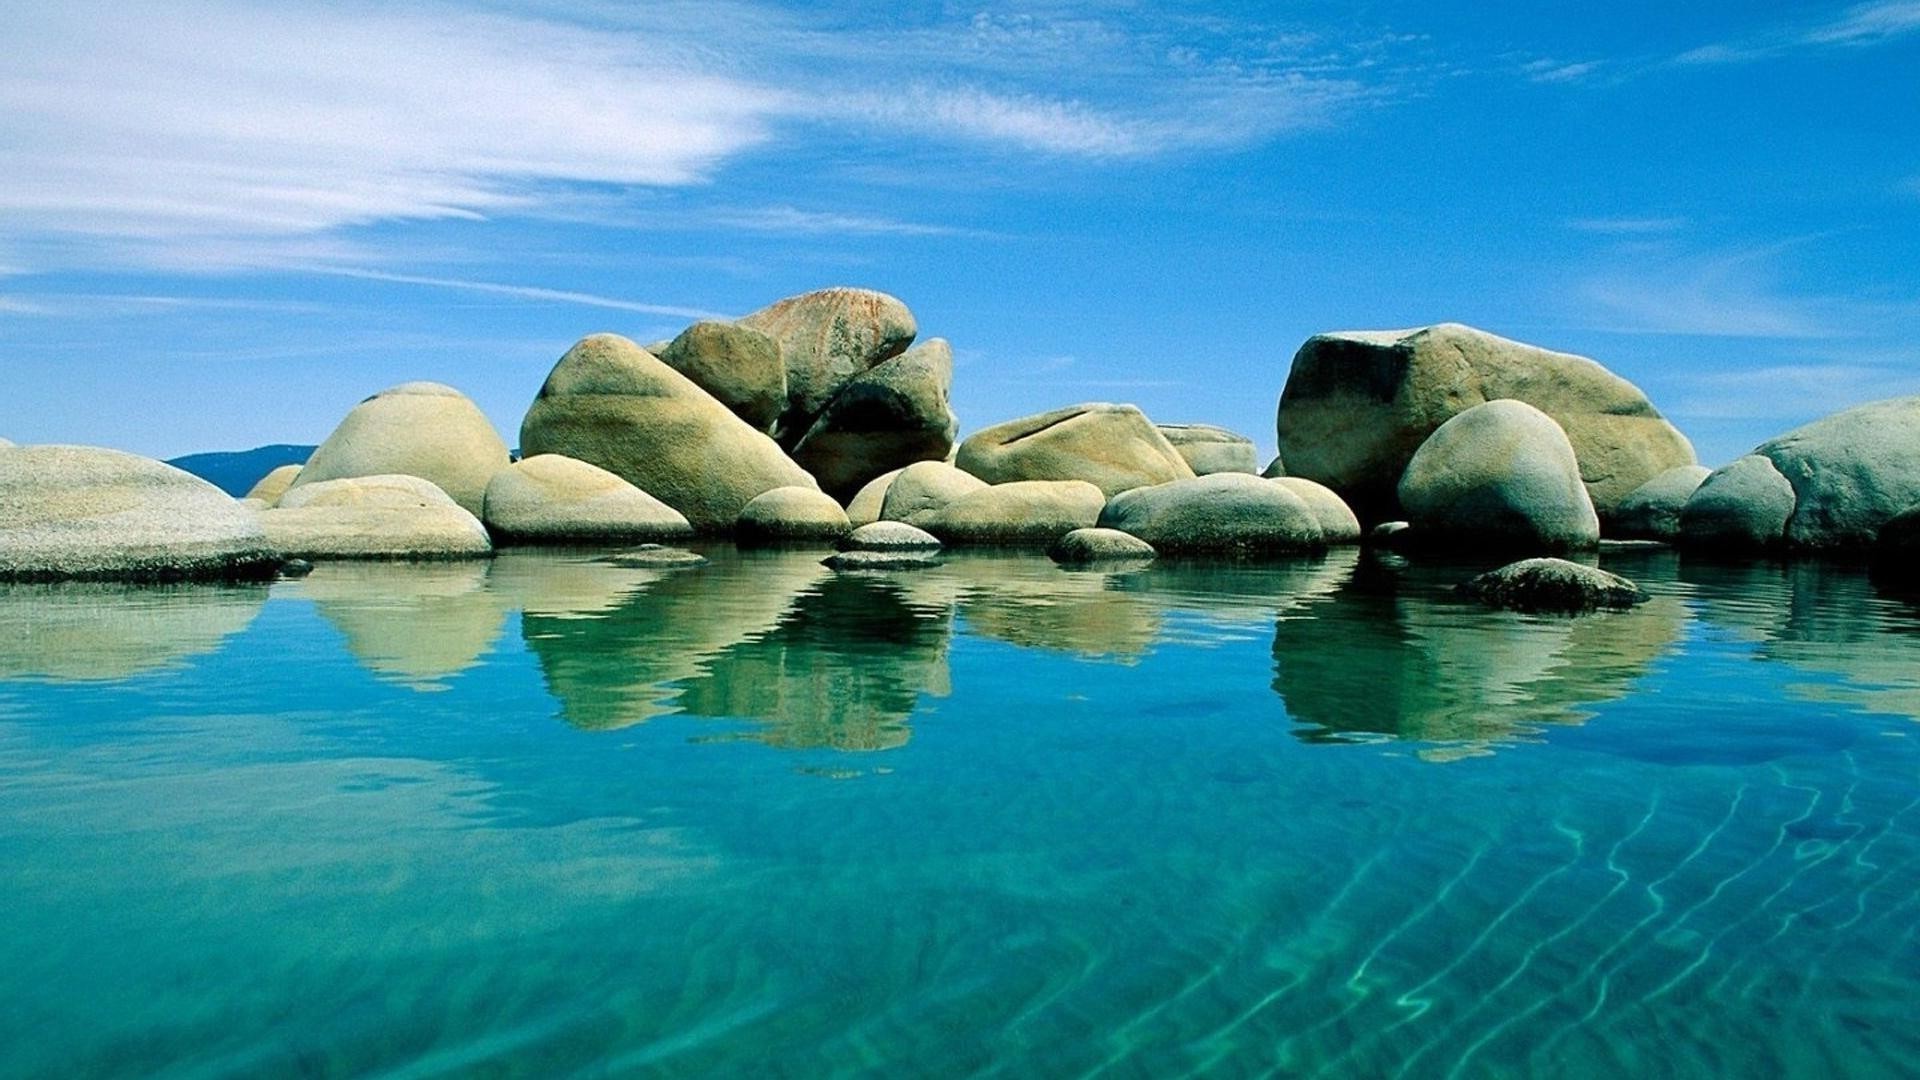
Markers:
point(416, 624)
point(1030, 602)
point(80, 631)
point(1395, 654)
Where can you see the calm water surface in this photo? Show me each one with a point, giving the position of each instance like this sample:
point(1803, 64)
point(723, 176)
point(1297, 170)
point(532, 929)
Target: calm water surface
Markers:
point(550, 817)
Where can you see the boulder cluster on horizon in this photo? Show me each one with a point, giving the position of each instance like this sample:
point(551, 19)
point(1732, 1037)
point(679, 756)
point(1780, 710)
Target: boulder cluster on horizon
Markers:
point(820, 415)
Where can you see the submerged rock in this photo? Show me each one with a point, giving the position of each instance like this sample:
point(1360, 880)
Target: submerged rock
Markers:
point(374, 517)
point(550, 498)
point(792, 515)
point(889, 536)
point(1357, 405)
point(1024, 513)
point(1114, 447)
point(1085, 546)
point(1552, 585)
point(270, 488)
point(610, 403)
point(1209, 449)
point(1652, 510)
point(883, 419)
point(419, 429)
point(1500, 474)
point(655, 557)
point(877, 561)
point(83, 512)
point(738, 365)
point(1226, 513)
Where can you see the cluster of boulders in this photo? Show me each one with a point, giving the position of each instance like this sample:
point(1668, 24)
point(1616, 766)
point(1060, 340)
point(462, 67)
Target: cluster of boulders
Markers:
point(819, 420)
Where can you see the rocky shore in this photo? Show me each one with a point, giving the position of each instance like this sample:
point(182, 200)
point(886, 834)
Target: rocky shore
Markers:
point(807, 422)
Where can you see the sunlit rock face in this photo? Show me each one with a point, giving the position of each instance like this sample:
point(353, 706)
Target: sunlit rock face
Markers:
point(1499, 475)
point(553, 499)
point(1358, 404)
point(421, 429)
point(1113, 447)
point(1211, 449)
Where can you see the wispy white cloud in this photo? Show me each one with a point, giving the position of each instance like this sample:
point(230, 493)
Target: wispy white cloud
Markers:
point(1858, 26)
point(518, 292)
point(1546, 70)
point(795, 221)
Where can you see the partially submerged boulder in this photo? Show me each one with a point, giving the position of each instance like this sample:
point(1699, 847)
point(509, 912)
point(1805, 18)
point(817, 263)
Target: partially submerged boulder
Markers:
point(1023, 513)
point(1096, 545)
point(269, 488)
point(1357, 405)
point(610, 403)
point(419, 429)
point(1652, 510)
point(374, 517)
point(865, 561)
point(655, 557)
point(889, 536)
point(1114, 447)
point(827, 337)
point(1223, 514)
point(738, 365)
point(552, 499)
point(1502, 475)
point(1209, 449)
point(1552, 585)
point(1741, 508)
point(1338, 525)
point(887, 417)
point(792, 515)
point(82, 512)
point(922, 489)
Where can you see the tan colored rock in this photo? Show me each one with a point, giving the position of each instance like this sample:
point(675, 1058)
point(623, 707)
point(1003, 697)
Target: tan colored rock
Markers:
point(271, 487)
point(419, 429)
point(1086, 546)
point(923, 488)
point(1023, 513)
point(1338, 525)
point(827, 337)
point(373, 517)
point(1358, 405)
point(792, 515)
point(864, 508)
point(738, 365)
point(889, 536)
point(1209, 449)
point(82, 512)
point(551, 498)
point(610, 403)
point(1223, 514)
point(1114, 447)
point(883, 419)
point(1502, 475)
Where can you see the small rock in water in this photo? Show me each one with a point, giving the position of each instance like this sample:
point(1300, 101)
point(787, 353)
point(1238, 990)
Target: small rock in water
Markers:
point(1082, 546)
point(856, 561)
point(295, 568)
point(1391, 535)
point(1554, 585)
point(889, 536)
point(655, 557)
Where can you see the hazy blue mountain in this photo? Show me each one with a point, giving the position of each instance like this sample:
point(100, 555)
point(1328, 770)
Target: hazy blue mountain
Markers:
point(235, 471)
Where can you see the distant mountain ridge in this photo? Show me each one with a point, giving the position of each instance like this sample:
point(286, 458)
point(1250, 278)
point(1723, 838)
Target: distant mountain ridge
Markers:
point(236, 471)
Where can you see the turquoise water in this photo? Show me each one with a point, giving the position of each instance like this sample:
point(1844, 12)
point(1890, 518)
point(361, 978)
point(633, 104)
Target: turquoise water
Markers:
point(550, 817)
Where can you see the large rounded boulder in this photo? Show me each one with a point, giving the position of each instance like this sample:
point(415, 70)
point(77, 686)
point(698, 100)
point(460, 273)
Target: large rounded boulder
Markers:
point(792, 515)
point(1224, 514)
point(1114, 447)
point(1209, 449)
point(1851, 472)
point(1502, 475)
point(1338, 525)
point(827, 337)
point(419, 429)
point(1741, 508)
point(82, 512)
point(270, 488)
point(1357, 405)
point(1652, 510)
point(923, 488)
point(738, 365)
point(374, 517)
point(885, 418)
point(551, 499)
point(1025, 513)
point(611, 403)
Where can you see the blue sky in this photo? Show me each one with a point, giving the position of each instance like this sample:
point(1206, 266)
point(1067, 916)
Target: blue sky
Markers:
point(221, 225)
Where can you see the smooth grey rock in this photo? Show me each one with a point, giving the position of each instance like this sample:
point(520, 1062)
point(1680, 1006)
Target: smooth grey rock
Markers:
point(1743, 507)
point(419, 429)
point(1652, 510)
point(1338, 525)
point(270, 488)
point(655, 557)
point(740, 366)
point(1209, 449)
point(1501, 474)
point(864, 508)
point(883, 419)
point(551, 498)
point(1552, 585)
point(611, 404)
point(889, 536)
point(82, 512)
point(373, 517)
point(1226, 513)
point(792, 515)
point(827, 337)
point(1851, 472)
point(1114, 447)
point(879, 561)
point(923, 488)
point(1357, 406)
point(1096, 545)
point(1023, 513)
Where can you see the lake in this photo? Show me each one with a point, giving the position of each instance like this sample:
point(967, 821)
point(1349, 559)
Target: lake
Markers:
point(546, 816)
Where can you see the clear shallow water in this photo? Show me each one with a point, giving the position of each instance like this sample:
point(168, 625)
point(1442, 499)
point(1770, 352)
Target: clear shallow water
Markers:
point(550, 817)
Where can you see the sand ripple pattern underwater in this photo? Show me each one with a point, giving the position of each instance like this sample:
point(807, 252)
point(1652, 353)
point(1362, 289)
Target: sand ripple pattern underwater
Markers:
point(548, 817)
